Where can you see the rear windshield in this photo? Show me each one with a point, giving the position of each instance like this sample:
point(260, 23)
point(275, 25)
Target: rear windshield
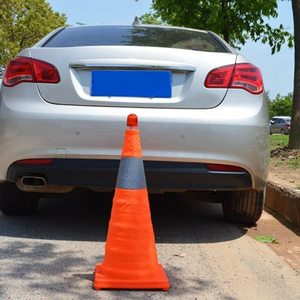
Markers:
point(134, 36)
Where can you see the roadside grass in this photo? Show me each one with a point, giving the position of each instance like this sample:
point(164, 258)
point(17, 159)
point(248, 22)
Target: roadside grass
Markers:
point(278, 140)
point(294, 162)
point(285, 163)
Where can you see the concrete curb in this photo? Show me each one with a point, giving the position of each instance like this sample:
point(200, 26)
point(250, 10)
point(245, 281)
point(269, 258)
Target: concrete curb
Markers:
point(283, 201)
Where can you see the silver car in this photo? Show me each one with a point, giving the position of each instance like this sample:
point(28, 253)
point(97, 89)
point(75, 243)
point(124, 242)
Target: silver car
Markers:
point(202, 112)
point(280, 125)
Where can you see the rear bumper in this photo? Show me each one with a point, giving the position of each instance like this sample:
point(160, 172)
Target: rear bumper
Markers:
point(102, 175)
point(234, 133)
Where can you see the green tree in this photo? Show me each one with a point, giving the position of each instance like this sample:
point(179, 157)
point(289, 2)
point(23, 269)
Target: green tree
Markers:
point(151, 18)
point(23, 23)
point(281, 106)
point(235, 20)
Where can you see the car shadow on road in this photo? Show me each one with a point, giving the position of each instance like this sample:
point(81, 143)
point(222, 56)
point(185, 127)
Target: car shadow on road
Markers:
point(84, 216)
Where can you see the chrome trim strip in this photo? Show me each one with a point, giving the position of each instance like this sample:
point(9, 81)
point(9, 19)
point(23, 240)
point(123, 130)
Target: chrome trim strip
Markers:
point(104, 66)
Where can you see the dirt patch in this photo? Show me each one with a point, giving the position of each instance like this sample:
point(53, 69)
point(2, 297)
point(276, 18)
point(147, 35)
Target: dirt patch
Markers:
point(284, 177)
point(287, 237)
point(285, 168)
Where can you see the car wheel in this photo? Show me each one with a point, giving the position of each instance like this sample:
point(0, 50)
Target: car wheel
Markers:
point(282, 131)
point(243, 207)
point(16, 202)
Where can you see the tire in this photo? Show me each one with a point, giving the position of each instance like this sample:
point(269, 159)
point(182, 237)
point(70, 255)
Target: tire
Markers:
point(244, 207)
point(16, 202)
point(282, 131)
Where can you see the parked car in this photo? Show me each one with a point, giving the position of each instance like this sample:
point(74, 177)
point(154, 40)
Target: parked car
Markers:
point(202, 112)
point(276, 117)
point(280, 125)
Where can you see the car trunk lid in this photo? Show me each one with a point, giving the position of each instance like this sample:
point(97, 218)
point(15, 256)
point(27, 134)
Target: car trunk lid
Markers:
point(132, 76)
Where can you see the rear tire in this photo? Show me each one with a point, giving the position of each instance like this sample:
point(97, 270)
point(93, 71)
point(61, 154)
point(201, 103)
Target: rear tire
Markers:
point(282, 131)
point(244, 207)
point(16, 202)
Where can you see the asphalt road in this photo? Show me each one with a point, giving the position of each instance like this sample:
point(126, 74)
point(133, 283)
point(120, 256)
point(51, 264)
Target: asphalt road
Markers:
point(52, 255)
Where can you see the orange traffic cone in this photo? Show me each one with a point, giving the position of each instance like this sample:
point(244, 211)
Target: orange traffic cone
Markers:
point(130, 260)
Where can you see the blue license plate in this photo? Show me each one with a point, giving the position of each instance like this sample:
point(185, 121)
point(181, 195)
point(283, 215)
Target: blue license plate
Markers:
point(150, 84)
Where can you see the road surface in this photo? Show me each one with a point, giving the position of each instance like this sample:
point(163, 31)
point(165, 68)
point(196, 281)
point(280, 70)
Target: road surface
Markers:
point(52, 255)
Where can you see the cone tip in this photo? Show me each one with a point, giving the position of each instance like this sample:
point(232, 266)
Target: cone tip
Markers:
point(132, 120)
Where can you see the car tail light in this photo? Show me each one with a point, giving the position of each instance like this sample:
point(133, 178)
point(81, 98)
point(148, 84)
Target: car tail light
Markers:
point(223, 168)
point(288, 125)
point(244, 76)
point(26, 69)
point(220, 77)
point(35, 161)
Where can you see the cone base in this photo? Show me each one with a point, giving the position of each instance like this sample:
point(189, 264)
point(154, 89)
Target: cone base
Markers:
point(160, 281)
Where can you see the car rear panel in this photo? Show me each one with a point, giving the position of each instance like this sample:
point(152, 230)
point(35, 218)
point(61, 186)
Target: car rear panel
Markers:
point(194, 125)
point(188, 69)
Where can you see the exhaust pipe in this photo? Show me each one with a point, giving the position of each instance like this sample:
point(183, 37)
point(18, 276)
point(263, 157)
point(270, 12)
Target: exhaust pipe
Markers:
point(33, 181)
point(38, 184)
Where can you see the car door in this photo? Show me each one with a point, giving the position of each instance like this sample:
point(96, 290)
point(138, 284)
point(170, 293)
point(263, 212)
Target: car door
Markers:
point(273, 126)
point(277, 127)
point(280, 125)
